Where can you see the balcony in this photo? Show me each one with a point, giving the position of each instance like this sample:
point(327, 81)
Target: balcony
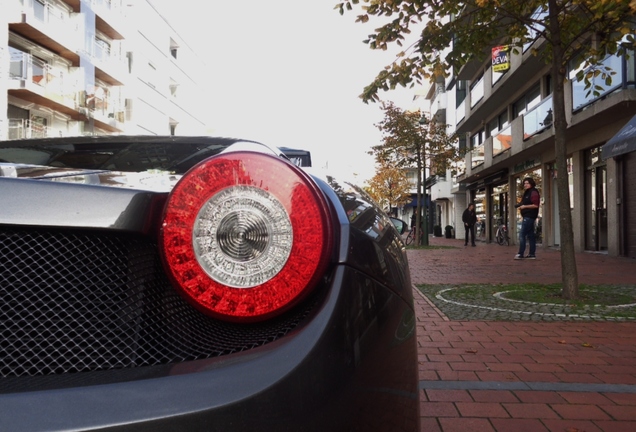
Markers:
point(461, 111)
point(502, 141)
point(582, 97)
point(109, 18)
point(538, 119)
point(35, 81)
point(524, 68)
point(108, 113)
point(109, 65)
point(477, 92)
point(50, 26)
point(24, 128)
point(533, 131)
point(438, 106)
point(477, 156)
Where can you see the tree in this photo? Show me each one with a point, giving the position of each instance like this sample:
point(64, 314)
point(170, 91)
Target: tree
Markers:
point(561, 32)
point(411, 140)
point(389, 186)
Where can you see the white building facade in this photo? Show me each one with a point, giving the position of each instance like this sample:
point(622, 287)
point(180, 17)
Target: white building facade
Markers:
point(94, 67)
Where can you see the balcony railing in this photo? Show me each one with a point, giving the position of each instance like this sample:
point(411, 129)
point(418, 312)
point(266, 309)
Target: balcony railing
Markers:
point(477, 156)
point(477, 92)
point(24, 66)
point(582, 96)
point(439, 102)
point(25, 128)
point(461, 111)
point(102, 52)
point(44, 11)
point(51, 82)
point(538, 119)
point(56, 18)
point(502, 141)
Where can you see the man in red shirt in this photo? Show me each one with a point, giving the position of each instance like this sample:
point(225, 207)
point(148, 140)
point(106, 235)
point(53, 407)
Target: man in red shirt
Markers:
point(529, 209)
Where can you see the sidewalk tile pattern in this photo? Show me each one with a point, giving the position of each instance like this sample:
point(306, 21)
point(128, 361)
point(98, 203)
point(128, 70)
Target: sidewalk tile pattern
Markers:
point(521, 376)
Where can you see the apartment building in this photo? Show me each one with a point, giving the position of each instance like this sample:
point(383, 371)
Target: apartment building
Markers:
point(504, 119)
point(448, 198)
point(95, 67)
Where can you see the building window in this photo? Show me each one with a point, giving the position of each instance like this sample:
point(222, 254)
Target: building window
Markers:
point(174, 47)
point(527, 102)
point(460, 93)
point(498, 123)
point(478, 138)
point(477, 91)
point(533, 30)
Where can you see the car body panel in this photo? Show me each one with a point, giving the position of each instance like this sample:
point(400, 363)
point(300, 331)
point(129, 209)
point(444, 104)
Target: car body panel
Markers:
point(349, 364)
point(269, 388)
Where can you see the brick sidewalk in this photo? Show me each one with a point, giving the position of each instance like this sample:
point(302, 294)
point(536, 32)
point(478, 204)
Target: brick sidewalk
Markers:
point(522, 376)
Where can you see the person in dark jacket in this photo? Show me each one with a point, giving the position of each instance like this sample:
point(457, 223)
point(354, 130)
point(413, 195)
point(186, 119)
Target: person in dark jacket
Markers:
point(529, 209)
point(470, 219)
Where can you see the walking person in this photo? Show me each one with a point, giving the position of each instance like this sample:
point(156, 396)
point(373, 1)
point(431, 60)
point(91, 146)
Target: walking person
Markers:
point(469, 217)
point(529, 209)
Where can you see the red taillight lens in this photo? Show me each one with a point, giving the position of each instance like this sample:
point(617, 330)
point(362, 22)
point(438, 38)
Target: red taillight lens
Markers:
point(245, 236)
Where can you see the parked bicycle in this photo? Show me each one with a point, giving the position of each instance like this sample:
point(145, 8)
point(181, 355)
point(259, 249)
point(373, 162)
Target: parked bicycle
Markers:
point(411, 236)
point(501, 236)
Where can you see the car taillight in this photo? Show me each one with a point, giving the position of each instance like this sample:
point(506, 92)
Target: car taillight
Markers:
point(245, 236)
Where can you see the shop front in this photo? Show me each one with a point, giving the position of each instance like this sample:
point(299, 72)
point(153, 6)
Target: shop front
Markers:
point(491, 205)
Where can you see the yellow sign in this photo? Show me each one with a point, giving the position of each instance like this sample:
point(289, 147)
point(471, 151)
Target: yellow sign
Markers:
point(500, 58)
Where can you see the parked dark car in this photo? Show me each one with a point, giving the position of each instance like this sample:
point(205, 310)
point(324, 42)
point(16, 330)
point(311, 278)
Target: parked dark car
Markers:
point(197, 284)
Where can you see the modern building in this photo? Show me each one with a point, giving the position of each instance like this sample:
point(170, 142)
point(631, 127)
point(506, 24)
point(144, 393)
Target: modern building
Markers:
point(95, 67)
point(505, 120)
point(448, 199)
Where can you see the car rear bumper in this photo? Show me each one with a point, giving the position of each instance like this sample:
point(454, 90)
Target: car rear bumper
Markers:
point(352, 366)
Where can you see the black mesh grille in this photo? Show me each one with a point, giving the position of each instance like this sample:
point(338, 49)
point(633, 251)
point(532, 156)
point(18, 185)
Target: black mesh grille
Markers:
point(78, 302)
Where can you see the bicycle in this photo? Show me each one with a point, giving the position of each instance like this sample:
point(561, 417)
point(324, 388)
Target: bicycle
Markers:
point(501, 236)
point(411, 236)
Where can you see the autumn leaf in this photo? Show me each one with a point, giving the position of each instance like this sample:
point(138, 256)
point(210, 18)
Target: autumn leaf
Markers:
point(562, 342)
point(587, 345)
point(471, 351)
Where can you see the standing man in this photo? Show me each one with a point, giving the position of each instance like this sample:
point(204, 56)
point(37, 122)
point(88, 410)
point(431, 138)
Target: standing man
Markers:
point(469, 217)
point(529, 209)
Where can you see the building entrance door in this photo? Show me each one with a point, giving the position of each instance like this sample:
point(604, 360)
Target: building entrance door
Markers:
point(595, 202)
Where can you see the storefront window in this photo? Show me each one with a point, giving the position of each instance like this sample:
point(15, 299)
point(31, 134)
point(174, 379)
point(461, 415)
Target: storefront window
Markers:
point(480, 210)
point(596, 227)
point(499, 211)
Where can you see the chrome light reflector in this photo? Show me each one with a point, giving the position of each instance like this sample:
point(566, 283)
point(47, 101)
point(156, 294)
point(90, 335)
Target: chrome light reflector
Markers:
point(242, 236)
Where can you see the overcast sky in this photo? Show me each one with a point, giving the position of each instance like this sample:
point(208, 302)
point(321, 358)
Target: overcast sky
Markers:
point(288, 73)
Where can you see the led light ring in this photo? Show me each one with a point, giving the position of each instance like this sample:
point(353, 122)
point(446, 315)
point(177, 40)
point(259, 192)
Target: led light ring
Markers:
point(255, 177)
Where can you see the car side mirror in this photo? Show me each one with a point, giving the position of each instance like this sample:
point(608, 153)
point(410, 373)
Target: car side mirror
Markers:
point(399, 224)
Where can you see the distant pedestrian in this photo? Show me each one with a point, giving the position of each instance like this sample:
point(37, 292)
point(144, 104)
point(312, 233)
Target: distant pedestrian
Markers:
point(529, 209)
point(470, 219)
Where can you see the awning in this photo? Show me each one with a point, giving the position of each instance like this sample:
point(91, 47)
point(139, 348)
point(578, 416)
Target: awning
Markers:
point(623, 142)
point(413, 202)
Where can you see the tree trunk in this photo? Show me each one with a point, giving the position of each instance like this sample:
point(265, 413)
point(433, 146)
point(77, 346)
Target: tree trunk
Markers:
point(569, 273)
